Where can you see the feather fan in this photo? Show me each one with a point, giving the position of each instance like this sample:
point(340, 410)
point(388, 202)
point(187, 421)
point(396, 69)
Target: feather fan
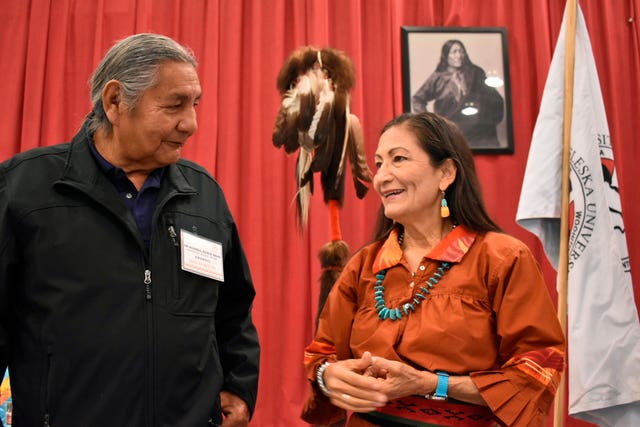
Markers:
point(314, 119)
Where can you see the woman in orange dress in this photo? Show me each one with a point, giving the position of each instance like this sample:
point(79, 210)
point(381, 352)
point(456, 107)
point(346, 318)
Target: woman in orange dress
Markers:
point(443, 320)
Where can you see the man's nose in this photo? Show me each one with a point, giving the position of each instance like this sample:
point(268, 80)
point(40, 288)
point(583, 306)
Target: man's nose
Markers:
point(189, 122)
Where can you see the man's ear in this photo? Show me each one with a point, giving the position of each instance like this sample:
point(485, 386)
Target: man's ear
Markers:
point(112, 101)
point(449, 172)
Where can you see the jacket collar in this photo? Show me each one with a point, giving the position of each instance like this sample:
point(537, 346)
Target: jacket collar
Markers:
point(82, 172)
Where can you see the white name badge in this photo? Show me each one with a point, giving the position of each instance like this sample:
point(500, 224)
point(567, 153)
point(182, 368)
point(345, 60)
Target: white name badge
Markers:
point(201, 256)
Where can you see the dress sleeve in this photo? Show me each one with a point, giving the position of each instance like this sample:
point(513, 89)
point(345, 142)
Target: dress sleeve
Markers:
point(531, 343)
point(331, 343)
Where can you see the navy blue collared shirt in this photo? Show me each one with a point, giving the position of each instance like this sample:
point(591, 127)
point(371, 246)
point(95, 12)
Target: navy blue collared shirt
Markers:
point(141, 203)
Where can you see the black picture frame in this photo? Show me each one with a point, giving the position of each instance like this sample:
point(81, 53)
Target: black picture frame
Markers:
point(430, 82)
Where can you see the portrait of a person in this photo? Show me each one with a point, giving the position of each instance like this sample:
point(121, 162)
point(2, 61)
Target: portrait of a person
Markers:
point(458, 90)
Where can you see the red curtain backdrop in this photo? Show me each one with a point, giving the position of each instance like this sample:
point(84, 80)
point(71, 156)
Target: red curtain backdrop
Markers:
point(48, 49)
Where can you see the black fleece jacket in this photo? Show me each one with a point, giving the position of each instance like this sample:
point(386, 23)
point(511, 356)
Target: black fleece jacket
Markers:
point(98, 331)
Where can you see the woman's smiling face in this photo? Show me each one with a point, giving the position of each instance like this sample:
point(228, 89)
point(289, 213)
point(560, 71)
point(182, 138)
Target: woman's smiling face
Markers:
point(406, 180)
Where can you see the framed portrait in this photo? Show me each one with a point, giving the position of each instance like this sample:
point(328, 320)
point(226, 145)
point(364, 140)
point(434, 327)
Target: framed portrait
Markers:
point(461, 74)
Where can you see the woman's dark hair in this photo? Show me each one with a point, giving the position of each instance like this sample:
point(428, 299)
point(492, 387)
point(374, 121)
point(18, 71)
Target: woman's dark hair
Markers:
point(441, 139)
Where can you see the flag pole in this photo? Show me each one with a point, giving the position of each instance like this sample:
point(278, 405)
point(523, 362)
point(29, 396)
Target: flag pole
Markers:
point(563, 261)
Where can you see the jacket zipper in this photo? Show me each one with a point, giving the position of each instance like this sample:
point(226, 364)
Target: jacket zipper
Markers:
point(149, 398)
point(147, 284)
point(47, 415)
point(173, 235)
point(175, 288)
point(150, 367)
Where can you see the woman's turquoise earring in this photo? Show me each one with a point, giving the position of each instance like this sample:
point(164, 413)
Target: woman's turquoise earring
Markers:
point(444, 209)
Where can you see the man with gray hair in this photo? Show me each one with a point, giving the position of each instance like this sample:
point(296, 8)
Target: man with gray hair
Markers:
point(125, 294)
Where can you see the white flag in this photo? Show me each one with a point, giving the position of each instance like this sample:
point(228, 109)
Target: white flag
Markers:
point(603, 330)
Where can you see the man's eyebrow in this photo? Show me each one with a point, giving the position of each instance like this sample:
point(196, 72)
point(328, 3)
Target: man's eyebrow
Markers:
point(182, 96)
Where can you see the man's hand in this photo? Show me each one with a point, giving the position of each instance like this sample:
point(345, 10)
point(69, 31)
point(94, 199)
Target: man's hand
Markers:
point(234, 409)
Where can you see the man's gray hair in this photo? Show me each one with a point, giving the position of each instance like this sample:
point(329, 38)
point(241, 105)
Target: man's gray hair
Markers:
point(134, 62)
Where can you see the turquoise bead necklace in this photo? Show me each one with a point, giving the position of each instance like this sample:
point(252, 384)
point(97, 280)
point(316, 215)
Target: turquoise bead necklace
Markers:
point(396, 313)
